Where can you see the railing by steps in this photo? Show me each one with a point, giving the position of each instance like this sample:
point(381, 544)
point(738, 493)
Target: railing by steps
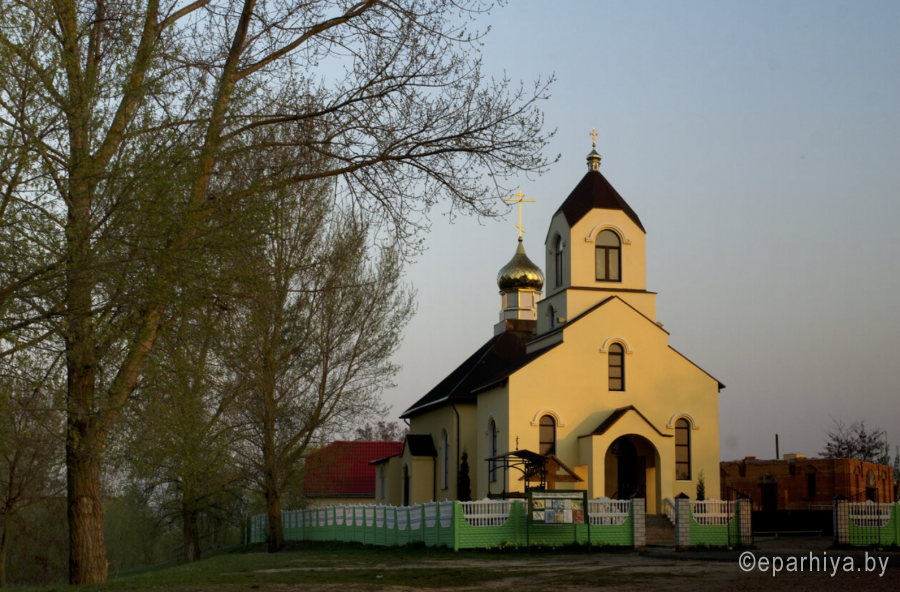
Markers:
point(670, 510)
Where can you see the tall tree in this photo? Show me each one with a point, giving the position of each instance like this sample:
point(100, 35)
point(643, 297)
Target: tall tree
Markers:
point(123, 120)
point(311, 342)
point(181, 442)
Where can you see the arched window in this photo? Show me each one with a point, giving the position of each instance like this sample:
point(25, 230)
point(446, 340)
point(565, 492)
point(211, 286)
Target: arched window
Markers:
point(552, 312)
point(492, 447)
point(810, 481)
point(608, 256)
point(616, 367)
point(682, 450)
point(381, 480)
point(548, 435)
point(557, 260)
point(445, 460)
point(405, 500)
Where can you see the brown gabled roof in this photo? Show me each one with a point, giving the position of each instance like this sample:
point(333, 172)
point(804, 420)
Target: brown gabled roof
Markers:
point(502, 353)
point(594, 191)
point(617, 415)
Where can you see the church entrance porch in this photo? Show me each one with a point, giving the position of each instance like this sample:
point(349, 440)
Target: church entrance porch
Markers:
point(630, 470)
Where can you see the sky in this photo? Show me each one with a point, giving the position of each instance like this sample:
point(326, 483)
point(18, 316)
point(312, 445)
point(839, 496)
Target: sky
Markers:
point(759, 142)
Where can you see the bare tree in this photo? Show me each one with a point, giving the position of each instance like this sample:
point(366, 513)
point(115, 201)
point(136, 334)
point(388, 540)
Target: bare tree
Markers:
point(381, 431)
point(123, 119)
point(857, 442)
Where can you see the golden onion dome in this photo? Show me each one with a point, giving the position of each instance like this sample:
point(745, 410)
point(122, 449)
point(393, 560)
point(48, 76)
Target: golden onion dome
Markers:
point(520, 273)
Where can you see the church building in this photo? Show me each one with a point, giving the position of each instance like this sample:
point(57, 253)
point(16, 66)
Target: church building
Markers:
point(579, 378)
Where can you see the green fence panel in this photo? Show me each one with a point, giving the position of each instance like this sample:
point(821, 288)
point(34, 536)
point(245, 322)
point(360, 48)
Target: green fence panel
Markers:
point(873, 524)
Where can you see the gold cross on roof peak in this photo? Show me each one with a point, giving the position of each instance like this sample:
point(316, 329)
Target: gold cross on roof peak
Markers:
point(521, 199)
point(594, 135)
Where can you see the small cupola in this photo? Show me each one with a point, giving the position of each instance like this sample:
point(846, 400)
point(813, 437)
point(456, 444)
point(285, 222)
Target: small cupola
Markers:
point(520, 282)
point(520, 273)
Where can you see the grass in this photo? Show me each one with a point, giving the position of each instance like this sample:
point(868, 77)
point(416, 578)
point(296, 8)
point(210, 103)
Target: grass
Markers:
point(316, 564)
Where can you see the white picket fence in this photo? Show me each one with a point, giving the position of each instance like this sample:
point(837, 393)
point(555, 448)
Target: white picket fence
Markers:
point(712, 512)
point(486, 512)
point(870, 514)
point(608, 512)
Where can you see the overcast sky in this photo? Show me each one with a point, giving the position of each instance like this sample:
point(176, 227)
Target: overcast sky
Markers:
point(759, 142)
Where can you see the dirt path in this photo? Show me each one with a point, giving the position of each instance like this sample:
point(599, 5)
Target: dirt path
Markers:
point(653, 571)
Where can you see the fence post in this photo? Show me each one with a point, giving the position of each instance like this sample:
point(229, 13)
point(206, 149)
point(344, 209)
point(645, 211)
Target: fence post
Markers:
point(682, 523)
point(841, 520)
point(638, 515)
point(454, 524)
point(743, 509)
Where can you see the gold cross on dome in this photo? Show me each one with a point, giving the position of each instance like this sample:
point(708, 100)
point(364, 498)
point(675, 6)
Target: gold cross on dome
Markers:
point(520, 195)
point(594, 135)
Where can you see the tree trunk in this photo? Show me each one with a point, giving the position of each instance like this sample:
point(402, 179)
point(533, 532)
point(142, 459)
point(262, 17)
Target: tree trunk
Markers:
point(4, 539)
point(87, 550)
point(273, 509)
point(191, 536)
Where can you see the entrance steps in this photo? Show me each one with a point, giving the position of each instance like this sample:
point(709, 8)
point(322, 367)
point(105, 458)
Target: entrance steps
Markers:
point(659, 530)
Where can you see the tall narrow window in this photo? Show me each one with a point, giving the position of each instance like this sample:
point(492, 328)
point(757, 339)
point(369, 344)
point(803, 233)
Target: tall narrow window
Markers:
point(616, 367)
point(608, 256)
point(548, 435)
point(552, 312)
point(557, 260)
point(810, 482)
point(381, 480)
point(682, 450)
point(492, 446)
point(445, 460)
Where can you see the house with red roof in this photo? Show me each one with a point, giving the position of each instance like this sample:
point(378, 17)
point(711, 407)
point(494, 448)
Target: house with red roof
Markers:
point(340, 473)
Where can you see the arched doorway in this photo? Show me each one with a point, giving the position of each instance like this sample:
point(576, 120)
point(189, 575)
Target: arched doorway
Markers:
point(631, 470)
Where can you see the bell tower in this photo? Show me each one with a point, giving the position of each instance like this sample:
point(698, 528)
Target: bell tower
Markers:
point(595, 249)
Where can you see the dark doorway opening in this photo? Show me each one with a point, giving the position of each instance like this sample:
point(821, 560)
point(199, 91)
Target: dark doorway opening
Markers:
point(768, 493)
point(631, 469)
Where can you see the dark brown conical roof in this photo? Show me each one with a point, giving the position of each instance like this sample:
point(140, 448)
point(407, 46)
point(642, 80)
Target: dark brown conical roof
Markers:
point(594, 191)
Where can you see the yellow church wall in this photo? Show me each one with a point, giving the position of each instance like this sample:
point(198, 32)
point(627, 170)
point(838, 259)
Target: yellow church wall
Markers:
point(574, 301)
point(392, 494)
point(468, 442)
point(634, 250)
point(421, 477)
point(492, 405)
point(434, 423)
point(579, 267)
point(571, 383)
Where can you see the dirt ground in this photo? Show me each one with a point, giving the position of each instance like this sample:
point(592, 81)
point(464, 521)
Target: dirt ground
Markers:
point(658, 569)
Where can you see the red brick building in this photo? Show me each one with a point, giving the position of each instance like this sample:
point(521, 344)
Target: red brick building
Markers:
point(340, 473)
point(799, 483)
